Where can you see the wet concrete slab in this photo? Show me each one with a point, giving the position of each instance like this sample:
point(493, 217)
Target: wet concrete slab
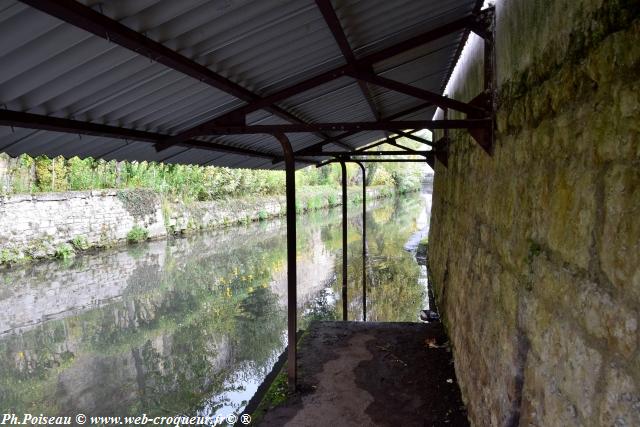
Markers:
point(373, 374)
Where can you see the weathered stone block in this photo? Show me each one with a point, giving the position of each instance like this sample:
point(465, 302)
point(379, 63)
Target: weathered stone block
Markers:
point(606, 318)
point(619, 249)
point(621, 403)
point(570, 212)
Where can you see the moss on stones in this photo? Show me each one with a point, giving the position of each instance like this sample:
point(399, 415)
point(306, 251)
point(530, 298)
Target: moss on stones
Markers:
point(140, 202)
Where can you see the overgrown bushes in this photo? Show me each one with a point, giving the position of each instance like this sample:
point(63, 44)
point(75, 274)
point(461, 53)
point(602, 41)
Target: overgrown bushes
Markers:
point(137, 234)
point(186, 182)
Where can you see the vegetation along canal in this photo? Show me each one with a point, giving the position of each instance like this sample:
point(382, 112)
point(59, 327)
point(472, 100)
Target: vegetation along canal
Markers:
point(191, 326)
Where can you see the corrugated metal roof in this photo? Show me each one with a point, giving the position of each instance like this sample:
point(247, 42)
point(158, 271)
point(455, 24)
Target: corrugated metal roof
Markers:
point(52, 68)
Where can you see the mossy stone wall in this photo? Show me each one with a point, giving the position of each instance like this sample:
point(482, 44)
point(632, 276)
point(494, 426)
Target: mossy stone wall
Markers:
point(40, 225)
point(534, 252)
point(46, 225)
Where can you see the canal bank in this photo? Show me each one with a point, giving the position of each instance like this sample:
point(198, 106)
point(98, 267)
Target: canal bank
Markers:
point(63, 224)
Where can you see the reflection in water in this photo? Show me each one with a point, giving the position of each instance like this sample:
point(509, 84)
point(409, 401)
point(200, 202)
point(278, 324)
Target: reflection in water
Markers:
point(189, 325)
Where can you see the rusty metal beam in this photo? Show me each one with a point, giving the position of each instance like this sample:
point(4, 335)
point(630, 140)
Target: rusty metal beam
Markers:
point(375, 144)
point(333, 22)
point(397, 115)
point(434, 98)
point(364, 62)
point(395, 144)
point(102, 26)
point(394, 116)
point(402, 152)
point(414, 137)
point(326, 162)
point(364, 242)
point(84, 17)
point(57, 124)
point(381, 142)
point(345, 299)
point(292, 299)
point(351, 126)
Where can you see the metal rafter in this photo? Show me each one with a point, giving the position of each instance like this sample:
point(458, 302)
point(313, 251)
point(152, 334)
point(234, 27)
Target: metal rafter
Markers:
point(427, 160)
point(404, 151)
point(102, 26)
point(395, 144)
point(414, 137)
point(390, 140)
point(84, 17)
point(333, 22)
point(351, 126)
point(56, 124)
point(434, 98)
point(364, 62)
point(344, 135)
point(375, 144)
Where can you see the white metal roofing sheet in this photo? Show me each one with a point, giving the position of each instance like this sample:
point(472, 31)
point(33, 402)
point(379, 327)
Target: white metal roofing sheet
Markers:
point(52, 68)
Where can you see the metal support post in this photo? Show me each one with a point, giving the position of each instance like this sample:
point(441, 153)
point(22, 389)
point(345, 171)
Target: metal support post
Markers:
point(291, 260)
point(344, 241)
point(364, 242)
point(490, 77)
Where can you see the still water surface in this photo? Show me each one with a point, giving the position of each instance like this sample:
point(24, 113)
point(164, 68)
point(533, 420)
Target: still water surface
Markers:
point(191, 326)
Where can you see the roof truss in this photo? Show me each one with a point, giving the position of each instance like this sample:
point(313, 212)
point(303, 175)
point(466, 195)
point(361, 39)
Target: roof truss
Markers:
point(84, 17)
point(479, 121)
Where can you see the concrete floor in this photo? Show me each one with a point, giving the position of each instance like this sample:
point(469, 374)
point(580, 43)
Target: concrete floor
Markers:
point(373, 374)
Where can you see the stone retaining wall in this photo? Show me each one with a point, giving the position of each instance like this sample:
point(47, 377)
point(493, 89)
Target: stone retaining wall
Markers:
point(37, 226)
point(183, 218)
point(534, 252)
point(58, 224)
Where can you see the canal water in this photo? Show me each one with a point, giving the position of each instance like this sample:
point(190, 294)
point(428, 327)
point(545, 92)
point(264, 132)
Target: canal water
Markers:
point(191, 326)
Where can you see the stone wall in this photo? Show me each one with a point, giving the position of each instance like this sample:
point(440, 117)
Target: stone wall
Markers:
point(37, 226)
point(53, 224)
point(537, 275)
point(182, 218)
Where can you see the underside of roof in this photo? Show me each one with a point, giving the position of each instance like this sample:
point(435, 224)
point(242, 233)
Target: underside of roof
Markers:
point(54, 68)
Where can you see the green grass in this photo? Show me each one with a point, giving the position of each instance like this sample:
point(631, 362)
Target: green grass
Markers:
point(277, 394)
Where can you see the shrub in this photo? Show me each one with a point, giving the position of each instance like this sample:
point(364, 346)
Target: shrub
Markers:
point(8, 256)
point(137, 234)
point(314, 203)
point(65, 251)
point(80, 243)
point(262, 215)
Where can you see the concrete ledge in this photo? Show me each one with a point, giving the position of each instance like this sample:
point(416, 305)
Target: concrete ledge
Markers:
point(369, 374)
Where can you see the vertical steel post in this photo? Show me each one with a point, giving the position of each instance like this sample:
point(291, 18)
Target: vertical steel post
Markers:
point(364, 242)
point(489, 55)
point(445, 116)
point(490, 76)
point(291, 260)
point(344, 240)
